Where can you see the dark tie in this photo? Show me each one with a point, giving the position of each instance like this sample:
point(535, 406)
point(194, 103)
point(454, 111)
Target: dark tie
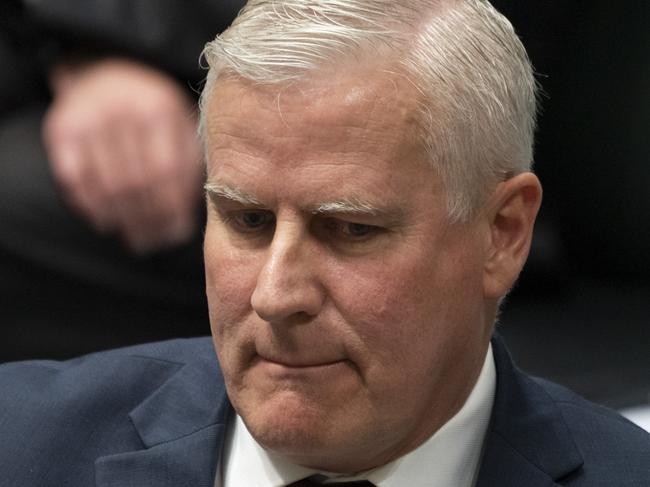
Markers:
point(311, 483)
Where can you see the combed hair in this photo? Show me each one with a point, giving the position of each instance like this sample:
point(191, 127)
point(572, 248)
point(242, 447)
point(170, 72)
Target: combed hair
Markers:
point(476, 85)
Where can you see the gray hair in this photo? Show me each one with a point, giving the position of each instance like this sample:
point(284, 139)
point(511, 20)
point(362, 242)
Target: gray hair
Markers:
point(477, 88)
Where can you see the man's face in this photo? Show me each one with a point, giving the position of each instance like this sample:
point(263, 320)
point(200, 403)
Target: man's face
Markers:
point(347, 312)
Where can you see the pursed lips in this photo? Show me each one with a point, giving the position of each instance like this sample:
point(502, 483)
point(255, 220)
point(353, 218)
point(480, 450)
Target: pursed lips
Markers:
point(299, 363)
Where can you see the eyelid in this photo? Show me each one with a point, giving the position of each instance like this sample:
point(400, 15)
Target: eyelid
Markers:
point(234, 219)
point(381, 218)
point(339, 226)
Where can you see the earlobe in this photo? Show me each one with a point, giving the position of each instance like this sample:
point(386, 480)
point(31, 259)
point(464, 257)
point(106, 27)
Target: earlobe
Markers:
point(513, 209)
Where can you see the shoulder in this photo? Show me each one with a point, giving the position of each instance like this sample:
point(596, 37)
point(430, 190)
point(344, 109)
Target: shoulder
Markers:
point(612, 447)
point(129, 362)
point(598, 423)
point(541, 430)
point(57, 418)
point(39, 394)
point(121, 373)
point(178, 350)
point(112, 370)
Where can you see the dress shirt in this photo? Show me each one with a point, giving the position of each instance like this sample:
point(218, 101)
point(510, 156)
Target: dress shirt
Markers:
point(449, 458)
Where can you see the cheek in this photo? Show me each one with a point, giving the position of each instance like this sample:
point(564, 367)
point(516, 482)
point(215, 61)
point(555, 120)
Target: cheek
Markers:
point(382, 307)
point(229, 280)
point(410, 310)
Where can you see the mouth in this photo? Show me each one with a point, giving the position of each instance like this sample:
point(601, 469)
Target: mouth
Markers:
point(295, 370)
point(299, 364)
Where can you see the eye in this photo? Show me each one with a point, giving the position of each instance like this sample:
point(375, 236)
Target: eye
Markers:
point(254, 219)
point(357, 229)
point(350, 231)
point(250, 221)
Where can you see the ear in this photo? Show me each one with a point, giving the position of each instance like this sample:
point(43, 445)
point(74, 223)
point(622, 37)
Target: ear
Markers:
point(512, 210)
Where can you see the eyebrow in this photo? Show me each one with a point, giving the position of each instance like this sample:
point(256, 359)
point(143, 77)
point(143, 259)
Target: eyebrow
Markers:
point(230, 193)
point(353, 206)
point(350, 206)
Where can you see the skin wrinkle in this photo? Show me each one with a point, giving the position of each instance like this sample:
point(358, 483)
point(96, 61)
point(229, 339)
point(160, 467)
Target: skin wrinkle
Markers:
point(334, 158)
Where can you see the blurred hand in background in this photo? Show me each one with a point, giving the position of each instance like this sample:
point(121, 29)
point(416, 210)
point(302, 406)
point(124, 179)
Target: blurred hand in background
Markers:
point(121, 141)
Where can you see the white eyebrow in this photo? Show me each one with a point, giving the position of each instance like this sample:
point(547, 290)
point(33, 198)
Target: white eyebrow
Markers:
point(230, 193)
point(352, 206)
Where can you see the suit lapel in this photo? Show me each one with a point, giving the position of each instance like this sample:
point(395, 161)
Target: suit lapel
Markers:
point(187, 461)
point(182, 428)
point(528, 442)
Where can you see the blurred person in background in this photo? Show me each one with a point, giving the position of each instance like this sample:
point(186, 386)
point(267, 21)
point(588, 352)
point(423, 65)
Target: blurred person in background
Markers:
point(101, 172)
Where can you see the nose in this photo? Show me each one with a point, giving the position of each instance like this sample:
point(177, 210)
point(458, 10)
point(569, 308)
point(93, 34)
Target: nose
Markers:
point(287, 286)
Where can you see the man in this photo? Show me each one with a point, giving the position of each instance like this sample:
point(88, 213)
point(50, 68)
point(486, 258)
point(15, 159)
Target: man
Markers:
point(369, 205)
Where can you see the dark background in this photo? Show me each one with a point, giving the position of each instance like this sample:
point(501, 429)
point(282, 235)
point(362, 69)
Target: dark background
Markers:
point(580, 313)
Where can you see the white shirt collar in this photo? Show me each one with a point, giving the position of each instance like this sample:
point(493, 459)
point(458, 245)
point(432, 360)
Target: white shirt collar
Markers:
point(451, 457)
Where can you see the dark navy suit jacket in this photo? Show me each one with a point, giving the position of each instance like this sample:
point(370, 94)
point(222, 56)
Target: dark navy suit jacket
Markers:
point(155, 416)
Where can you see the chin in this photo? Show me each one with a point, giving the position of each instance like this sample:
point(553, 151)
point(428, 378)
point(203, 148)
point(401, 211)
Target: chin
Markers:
point(289, 425)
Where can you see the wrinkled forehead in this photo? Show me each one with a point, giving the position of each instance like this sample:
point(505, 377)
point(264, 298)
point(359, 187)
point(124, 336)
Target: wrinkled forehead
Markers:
point(369, 99)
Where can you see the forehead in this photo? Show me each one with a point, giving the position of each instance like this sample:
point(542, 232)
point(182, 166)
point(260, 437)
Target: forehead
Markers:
point(335, 136)
point(353, 106)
